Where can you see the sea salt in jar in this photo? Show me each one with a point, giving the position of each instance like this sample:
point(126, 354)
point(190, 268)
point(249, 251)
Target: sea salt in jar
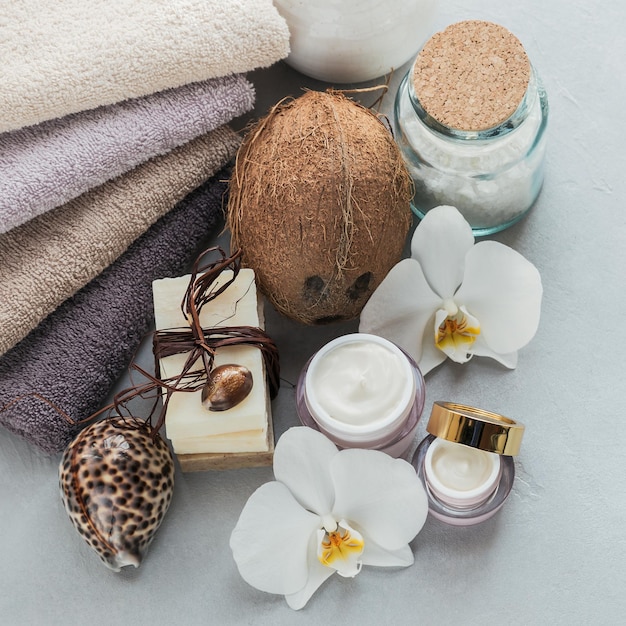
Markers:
point(349, 41)
point(466, 463)
point(470, 120)
point(362, 391)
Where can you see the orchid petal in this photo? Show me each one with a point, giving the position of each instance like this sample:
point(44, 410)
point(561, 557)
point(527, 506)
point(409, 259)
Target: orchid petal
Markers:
point(503, 290)
point(373, 554)
point(432, 356)
point(380, 494)
point(509, 359)
point(271, 540)
point(439, 244)
point(400, 308)
point(301, 462)
point(318, 573)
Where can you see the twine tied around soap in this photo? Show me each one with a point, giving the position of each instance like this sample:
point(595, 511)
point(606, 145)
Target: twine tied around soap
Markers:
point(200, 343)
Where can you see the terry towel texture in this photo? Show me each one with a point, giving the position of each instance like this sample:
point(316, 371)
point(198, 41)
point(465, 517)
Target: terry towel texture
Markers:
point(77, 353)
point(48, 259)
point(70, 55)
point(52, 163)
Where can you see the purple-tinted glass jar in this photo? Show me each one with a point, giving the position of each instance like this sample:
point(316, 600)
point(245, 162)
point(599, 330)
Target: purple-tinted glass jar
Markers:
point(466, 462)
point(362, 391)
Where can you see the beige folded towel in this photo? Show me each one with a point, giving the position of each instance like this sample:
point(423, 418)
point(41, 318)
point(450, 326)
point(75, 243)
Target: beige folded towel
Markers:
point(65, 56)
point(48, 259)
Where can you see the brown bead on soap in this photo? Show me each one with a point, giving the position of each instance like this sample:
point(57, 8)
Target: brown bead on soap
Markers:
point(229, 384)
point(471, 76)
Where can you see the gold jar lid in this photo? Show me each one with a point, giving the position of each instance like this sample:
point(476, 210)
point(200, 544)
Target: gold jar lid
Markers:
point(476, 428)
point(471, 76)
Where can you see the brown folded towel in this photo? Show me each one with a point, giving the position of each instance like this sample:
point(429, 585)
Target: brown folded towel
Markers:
point(48, 259)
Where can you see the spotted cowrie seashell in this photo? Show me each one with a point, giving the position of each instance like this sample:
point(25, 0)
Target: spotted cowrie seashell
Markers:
point(116, 483)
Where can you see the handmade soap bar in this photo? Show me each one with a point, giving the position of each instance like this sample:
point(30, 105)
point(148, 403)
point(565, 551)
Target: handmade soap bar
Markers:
point(191, 428)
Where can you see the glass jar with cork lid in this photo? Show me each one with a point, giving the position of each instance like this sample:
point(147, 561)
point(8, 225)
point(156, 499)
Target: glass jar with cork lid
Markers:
point(470, 120)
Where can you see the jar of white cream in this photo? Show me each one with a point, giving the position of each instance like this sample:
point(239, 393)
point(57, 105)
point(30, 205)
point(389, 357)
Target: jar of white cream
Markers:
point(362, 391)
point(350, 41)
point(466, 463)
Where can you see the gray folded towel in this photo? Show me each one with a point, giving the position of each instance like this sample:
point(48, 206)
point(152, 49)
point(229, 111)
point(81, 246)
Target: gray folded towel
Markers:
point(75, 355)
point(49, 164)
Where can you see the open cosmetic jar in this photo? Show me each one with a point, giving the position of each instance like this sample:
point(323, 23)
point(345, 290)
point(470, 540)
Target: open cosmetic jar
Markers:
point(466, 462)
point(348, 41)
point(470, 120)
point(362, 391)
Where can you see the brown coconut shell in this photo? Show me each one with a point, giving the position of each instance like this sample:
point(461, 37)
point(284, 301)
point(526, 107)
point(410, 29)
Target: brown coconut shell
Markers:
point(319, 203)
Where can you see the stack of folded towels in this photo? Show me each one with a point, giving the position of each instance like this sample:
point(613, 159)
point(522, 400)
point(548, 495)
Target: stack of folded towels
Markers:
point(114, 150)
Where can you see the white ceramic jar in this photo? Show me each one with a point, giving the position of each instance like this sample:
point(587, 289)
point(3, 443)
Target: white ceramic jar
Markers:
point(351, 41)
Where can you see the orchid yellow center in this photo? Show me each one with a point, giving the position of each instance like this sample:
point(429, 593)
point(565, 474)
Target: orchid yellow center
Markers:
point(456, 334)
point(341, 549)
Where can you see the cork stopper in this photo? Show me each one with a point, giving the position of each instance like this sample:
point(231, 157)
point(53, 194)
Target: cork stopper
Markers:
point(472, 75)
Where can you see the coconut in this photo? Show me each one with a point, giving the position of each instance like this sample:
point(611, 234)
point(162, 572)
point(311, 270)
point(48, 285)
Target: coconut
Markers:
point(319, 203)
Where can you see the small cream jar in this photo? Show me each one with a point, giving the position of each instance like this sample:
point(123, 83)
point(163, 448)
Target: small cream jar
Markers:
point(362, 391)
point(466, 463)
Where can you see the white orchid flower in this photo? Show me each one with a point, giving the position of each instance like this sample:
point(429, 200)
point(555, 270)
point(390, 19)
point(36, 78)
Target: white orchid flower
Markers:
point(456, 299)
point(327, 512)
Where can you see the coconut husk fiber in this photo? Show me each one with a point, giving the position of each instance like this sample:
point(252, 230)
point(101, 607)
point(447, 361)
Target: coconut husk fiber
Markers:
point(320, 205)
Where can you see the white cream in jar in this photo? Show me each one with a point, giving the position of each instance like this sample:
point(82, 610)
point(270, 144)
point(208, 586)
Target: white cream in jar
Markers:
point(362, 391)
point(459, 475)
point(466, 462)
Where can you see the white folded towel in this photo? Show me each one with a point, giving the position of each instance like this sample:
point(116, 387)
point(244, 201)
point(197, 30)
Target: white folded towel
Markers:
point(60, 57)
